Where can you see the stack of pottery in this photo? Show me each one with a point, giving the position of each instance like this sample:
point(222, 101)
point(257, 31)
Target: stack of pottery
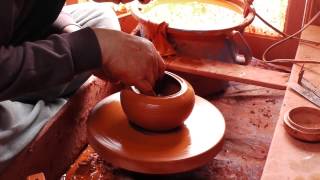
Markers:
point(303, 123)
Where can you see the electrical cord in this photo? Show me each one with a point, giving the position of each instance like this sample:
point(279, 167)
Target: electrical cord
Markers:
point(275, 62)
point(282, 33)
point(287, 38)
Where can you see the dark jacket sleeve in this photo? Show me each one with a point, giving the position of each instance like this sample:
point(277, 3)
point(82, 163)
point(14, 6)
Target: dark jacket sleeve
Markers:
point(34, 66)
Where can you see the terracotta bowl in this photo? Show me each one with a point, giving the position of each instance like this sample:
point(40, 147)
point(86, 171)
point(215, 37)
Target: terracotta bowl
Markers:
point(306, 119)
point(168, 110)
point(303, 123)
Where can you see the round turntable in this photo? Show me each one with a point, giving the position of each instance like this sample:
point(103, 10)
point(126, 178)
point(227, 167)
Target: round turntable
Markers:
point(130, 147)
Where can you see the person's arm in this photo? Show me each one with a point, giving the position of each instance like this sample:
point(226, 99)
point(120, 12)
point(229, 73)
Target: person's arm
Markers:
point(130, 59)
point(34, 66)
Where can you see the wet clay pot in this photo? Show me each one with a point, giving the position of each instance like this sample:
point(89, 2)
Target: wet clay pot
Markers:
point(167, 110)
point(227, 45)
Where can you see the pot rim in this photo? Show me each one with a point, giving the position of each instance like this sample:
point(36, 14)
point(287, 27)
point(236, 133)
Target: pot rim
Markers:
point(182, 83)
point(136, 13)
point(291, 119)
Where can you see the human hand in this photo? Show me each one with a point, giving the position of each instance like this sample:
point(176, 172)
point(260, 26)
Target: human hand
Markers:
point(129, 59)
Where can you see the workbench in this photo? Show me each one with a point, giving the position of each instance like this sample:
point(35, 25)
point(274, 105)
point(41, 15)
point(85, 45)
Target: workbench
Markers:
point(288, 157)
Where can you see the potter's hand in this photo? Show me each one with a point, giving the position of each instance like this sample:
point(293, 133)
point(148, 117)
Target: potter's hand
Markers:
point(123, 1)
point(129, 59)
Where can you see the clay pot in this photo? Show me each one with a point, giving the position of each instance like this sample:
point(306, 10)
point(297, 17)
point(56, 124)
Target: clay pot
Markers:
point(226, 45)
point(217, 44)
point(168, 110)
point(306, 119)
point(303, 123)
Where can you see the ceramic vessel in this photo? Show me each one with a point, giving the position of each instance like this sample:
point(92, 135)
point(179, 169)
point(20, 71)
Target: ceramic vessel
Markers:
point(168, 110)
point(303, 123)
point(217, 44)
point(306, 119)
point(226, 45)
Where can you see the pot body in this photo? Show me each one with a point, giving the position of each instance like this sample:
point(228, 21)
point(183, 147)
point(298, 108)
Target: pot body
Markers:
point(226, 45)
point(159, 113)
point(216, 44)
point(216, 47)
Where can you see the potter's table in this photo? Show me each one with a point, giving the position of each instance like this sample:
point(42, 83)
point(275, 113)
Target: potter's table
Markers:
point(289, 158)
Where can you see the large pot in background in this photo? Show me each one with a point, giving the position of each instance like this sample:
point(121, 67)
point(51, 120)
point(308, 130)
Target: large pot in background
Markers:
point(227, 44)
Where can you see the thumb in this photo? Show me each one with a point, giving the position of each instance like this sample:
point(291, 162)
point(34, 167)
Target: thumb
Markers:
point(145, 88)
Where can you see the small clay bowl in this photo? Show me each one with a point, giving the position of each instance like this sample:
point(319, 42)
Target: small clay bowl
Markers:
point(167, 110)
point(305, 119)
point(303, 123)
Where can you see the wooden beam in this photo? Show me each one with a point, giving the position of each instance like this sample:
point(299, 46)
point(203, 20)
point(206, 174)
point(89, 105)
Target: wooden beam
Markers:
point(229, 72)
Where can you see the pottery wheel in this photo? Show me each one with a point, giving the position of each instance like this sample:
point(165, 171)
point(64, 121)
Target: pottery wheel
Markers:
point(129, 147)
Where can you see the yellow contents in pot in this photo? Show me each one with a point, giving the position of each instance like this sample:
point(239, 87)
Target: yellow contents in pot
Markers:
point(195, 15)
